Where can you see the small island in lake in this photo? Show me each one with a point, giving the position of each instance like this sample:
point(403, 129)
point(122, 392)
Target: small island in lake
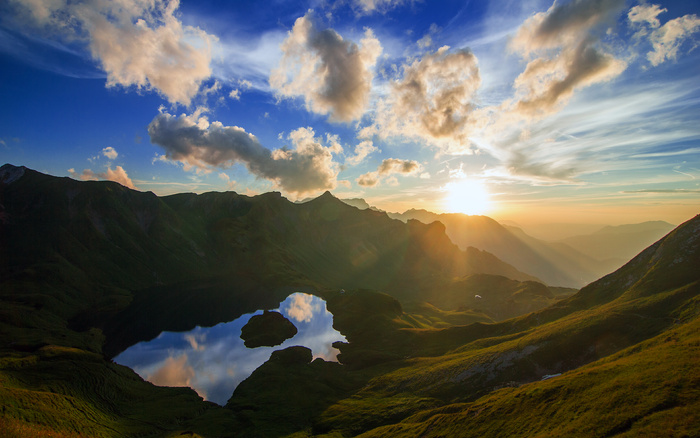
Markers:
point(269, 329)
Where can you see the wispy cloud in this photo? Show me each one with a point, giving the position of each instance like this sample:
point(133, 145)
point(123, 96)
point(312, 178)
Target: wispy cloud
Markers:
point(662, 191)
point(666, 40)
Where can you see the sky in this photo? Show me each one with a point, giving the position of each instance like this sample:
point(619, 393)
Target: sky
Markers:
point(584, 111)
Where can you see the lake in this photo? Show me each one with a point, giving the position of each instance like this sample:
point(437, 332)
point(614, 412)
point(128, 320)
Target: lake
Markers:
point(213, 360)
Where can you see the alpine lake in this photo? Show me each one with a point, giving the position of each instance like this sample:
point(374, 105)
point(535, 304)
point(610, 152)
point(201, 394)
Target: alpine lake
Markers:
point(214, 360)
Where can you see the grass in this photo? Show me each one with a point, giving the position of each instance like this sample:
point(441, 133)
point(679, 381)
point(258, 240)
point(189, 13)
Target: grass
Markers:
point(650, 389)
point(113, 266)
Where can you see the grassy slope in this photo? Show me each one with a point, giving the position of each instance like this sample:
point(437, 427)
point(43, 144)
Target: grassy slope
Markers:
point(627, 346)
point(401, 367)
point(89, 267)
point(649, 389)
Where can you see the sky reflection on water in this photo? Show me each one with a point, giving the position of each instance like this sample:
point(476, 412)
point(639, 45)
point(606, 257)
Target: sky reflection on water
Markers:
point(214, 360)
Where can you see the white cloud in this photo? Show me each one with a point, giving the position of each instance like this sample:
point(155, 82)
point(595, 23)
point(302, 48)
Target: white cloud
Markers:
point(370, 6)
point(563, 39)
point(387, 169)
point(333, 75)
point(173, 372)
point(432, 101)
point(154, 50)
point(110, 153)
point(117, 175)
point(362, 150)
point(667, 39)
point(307, 167)
point(301, 308)
point(646, 14)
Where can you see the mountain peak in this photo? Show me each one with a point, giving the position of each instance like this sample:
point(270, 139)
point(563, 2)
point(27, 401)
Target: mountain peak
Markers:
point(10, 173)
point(327, 195)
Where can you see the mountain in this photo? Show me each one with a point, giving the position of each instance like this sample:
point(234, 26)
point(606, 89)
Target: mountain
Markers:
point(619, 243)
point(619, 358)
point(97, 254)
point(358, 203)
point(554, 263)
point(88, 268)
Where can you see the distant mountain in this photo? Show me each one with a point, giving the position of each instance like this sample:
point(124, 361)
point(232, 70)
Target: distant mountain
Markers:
point(358, 203)
point(556, 264)
point(618, 244)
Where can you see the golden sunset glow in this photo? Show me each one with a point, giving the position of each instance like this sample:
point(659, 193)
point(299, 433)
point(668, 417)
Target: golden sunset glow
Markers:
point(467, 196)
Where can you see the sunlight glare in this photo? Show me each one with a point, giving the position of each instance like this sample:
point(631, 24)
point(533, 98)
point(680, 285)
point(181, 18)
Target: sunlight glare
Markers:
point(467, 196)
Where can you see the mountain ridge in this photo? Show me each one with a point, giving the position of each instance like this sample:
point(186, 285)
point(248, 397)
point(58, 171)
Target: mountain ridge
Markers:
point(89, 267)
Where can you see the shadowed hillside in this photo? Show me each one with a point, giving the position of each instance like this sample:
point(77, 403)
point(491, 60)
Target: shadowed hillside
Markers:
point(619, 357)
point(96, 254)
point(88, 268)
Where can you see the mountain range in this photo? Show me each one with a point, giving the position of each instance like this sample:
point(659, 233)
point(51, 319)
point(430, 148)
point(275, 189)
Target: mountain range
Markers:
point(90, 268)
point(571, 262)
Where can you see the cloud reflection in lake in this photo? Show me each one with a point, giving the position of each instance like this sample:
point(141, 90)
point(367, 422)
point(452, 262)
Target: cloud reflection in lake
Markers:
point(214, 360)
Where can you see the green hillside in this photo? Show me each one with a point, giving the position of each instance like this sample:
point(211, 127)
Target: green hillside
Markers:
point(89, 268)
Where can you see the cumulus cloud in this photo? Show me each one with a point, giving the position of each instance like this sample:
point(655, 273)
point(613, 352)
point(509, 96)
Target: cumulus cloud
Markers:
point(564, 55)
point(86, 175)
point(387, 169)
point(369, 179)
point(395, 165)
point(301, 308)
point(362, 150)
point(333, 75)
point(137, 43)
point(193, 141)
point(666, 40)
point(110, 153)
point(174, 372)
point(432, 101)
point(117, 175)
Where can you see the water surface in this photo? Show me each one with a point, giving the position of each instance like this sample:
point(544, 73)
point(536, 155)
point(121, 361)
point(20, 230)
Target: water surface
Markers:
point(213, 360)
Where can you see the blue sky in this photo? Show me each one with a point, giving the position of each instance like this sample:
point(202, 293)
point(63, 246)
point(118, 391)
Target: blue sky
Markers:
point(579, 111)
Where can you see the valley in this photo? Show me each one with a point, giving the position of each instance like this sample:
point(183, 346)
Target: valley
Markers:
point(444, 335)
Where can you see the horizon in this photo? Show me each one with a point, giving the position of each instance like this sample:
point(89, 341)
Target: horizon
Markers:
point(574, 112)
point(546, 231)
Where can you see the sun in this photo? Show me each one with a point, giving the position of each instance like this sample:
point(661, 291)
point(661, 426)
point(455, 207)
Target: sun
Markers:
point(467, 196)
